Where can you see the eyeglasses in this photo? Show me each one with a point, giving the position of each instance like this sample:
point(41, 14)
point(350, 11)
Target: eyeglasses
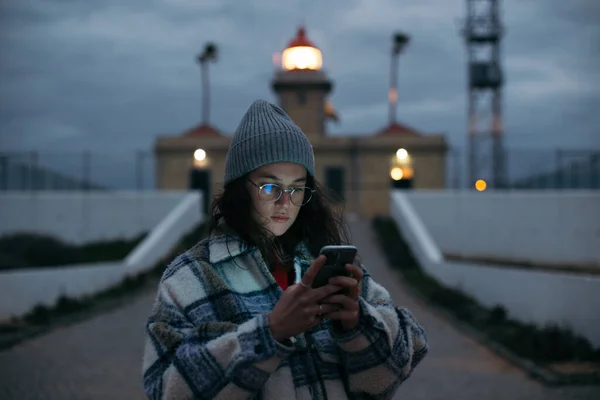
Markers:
point(271, 192)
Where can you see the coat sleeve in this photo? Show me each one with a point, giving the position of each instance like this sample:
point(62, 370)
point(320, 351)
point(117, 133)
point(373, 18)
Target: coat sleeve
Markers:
point(213, 360)
point(384, 348)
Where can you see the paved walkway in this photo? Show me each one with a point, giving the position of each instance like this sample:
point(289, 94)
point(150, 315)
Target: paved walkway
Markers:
point(101, 358)
point(456, 367)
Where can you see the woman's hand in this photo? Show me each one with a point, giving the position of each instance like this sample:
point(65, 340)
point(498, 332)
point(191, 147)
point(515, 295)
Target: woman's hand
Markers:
point(300, 308)
point(346, 305)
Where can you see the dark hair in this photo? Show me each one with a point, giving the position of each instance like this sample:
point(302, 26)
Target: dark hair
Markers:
point(319, 222)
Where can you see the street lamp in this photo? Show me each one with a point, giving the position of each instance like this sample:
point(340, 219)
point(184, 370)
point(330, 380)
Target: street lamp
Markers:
point(209, 54)
point(400, 40)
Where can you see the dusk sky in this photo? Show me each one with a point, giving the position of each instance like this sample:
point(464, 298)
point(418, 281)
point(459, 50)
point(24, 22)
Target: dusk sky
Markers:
point(112, 75)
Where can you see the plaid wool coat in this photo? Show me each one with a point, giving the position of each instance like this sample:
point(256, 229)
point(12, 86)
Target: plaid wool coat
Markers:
point(208, 335)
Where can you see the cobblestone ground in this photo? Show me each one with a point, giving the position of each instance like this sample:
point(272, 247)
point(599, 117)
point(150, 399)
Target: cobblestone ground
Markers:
point(101, 358)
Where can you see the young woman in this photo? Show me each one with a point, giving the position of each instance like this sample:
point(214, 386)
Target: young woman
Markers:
point(236, 316)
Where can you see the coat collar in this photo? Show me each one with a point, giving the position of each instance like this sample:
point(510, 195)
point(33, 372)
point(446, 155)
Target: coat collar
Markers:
point(225, 244)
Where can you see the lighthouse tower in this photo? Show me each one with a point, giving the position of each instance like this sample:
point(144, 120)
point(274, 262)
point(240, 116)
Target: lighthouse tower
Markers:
point(302, 86)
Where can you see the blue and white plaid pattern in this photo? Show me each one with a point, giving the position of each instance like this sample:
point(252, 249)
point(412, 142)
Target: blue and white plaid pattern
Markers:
point(208, 335)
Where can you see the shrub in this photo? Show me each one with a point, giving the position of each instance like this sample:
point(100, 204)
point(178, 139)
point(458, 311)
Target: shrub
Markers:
point(27, 250)
point(31, 249)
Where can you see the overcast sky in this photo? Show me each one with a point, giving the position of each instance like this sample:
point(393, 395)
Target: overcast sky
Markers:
point(115, 74)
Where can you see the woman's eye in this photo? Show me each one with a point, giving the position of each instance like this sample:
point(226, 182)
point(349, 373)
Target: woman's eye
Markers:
point(268, 188)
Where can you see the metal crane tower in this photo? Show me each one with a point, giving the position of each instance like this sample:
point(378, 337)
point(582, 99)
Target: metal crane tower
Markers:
point(483, 33)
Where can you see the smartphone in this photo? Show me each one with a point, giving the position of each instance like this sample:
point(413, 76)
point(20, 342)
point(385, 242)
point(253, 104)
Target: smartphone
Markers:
point(337, 258)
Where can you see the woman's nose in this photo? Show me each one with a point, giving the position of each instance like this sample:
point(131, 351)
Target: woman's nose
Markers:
point(285, 198)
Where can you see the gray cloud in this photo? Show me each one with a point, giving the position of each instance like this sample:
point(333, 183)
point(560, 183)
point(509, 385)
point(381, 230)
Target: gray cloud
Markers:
point(89, 74)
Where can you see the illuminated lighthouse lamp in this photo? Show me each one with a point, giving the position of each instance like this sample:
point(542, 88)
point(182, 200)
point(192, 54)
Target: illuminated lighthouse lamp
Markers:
point(301, 54)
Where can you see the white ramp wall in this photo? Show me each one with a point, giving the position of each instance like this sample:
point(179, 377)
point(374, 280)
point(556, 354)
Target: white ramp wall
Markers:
point(23, 289)
point(540, 227)
point(83, 217)
point(527, 295)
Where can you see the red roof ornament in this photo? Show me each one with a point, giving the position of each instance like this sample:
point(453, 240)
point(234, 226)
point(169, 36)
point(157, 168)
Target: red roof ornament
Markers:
point(301, 40)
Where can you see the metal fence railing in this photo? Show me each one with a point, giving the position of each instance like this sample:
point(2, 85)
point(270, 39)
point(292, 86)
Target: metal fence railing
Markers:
point(554, 169)
point(76, 171)
point(572, 169)
point(526, 169)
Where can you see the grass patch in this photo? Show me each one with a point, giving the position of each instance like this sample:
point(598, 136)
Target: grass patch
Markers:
point(548, 345)
point(43, 315)
point(28, 250)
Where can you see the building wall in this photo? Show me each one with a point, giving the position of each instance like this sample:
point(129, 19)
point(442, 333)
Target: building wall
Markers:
point(367, 180)
point(217, 166)
point(310, 115)
point(374, 183)
point(332, 158)
point(173, 170)
point(429, 167)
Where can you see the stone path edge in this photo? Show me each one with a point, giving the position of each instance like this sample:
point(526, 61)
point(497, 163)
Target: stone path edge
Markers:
point(99, 307)
point(534, 370)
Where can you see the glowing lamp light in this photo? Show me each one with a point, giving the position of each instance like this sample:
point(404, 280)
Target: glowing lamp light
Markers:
point(402, 154)
point(302, 57)
point(480, 185)
point(407, 173)
point(199, 155)
point(396, 173)
point(301, 54)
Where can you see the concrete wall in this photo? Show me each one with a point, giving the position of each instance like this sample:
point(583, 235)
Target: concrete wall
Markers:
point(529, 296)
point(83, 217)
point(21, 290)
point(541, 227)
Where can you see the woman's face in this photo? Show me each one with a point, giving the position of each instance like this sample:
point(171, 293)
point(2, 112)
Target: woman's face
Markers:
point(276, 216)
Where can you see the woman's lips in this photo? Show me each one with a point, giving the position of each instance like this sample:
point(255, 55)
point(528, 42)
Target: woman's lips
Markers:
point(280, 218)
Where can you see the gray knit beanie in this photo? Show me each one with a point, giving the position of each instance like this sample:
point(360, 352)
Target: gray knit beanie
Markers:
point(266, 135)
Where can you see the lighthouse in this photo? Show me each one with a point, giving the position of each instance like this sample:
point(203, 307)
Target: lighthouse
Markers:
point(302, 86)
point(358, 169)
